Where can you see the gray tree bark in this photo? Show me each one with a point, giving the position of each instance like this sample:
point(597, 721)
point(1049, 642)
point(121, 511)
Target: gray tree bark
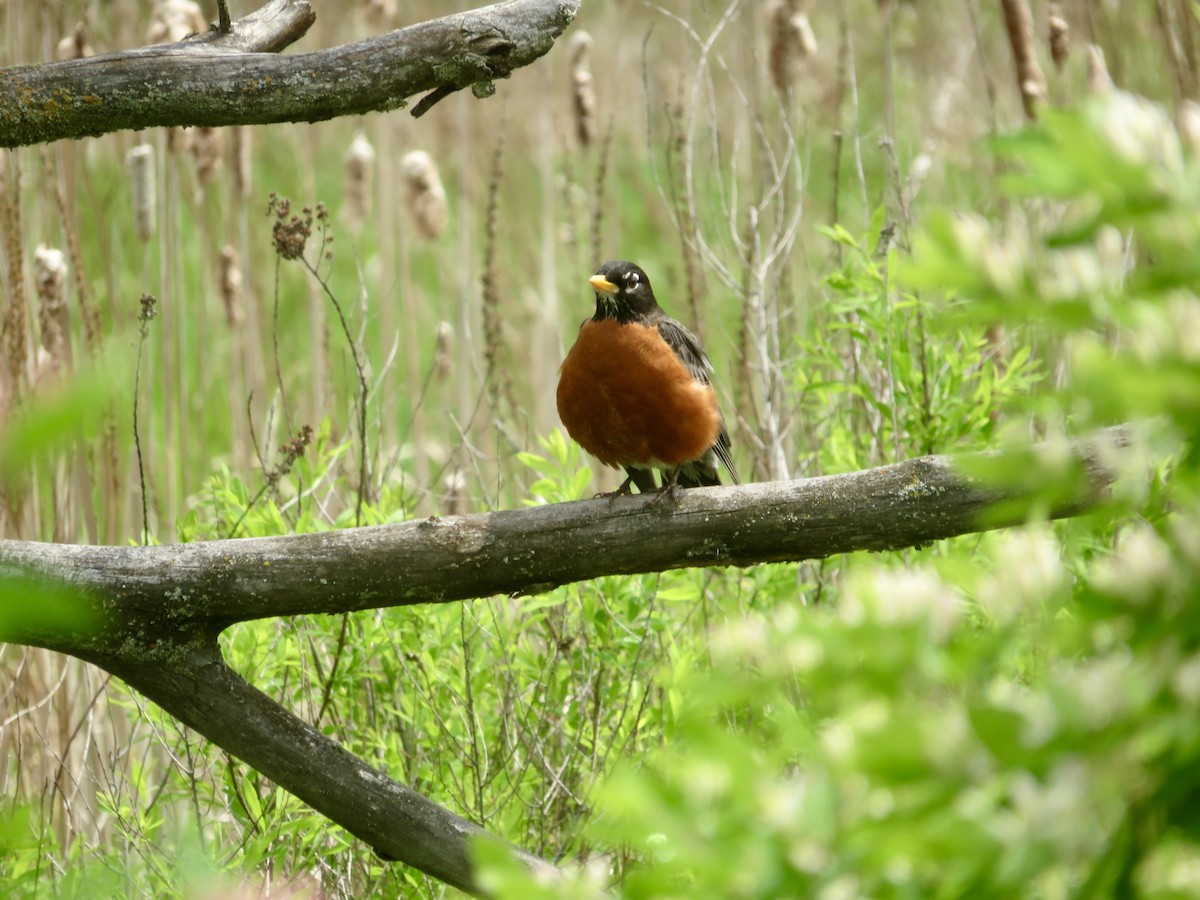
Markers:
point(238, 78)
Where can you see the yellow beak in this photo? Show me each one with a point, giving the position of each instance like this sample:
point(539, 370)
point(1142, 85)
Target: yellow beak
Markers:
point(600, 283)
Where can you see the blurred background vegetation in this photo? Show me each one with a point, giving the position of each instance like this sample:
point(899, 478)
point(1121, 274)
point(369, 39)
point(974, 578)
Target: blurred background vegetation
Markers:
point(884, 255)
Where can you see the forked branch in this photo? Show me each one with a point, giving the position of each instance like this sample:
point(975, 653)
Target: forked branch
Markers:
point(152, 614)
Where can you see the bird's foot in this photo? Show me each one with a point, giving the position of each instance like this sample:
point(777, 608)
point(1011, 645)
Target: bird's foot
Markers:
point(670, 490)
point(625, 490)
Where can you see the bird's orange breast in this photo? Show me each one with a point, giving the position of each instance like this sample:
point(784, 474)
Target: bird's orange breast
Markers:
point(627, 399)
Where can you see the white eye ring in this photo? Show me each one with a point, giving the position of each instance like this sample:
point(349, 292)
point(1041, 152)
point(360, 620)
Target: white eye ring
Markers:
point(634, 278)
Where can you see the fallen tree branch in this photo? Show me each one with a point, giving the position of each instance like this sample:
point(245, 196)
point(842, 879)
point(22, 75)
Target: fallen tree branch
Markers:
point(216, 79)
point(152, 614)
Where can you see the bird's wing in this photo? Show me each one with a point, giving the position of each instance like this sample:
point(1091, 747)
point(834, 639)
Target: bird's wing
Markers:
point(687, 347)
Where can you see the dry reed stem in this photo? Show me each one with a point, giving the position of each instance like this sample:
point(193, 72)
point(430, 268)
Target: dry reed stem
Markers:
point(1187, 36)
point(596, 226)
point(495, 371)
point(358, 169)
point(240, 139)
point(583, 91)
point(13, 325)
point(424, 195)
point(1175, 31)
point(686, 225)
point(1030, 81)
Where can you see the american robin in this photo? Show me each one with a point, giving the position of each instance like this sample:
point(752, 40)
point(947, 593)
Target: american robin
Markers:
point(634, 391)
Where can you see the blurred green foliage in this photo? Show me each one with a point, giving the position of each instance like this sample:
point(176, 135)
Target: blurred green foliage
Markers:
point(1014, 718)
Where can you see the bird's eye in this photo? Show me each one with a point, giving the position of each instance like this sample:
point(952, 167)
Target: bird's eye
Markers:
point(632, 280)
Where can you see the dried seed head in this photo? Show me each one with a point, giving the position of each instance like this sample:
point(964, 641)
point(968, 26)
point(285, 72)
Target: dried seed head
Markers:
point(74, 45)
point(1100, 83)
point(147, 309)
point(231, 286)
point(583, 93)
point(359, 168)
point(1060, 43)
point(792, 42)
point(443, 358)
point(173, 20)
point(424, 193)
point(381, 12)
point(140, 160)
point(208, 145)
point(49, 277)
point(289, 234)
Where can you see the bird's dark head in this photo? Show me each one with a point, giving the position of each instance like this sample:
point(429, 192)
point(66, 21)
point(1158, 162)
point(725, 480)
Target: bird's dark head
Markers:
point(623, 292)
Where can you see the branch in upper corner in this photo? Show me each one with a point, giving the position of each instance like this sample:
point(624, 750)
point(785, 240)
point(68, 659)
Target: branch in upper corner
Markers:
point(200, 82)
point(269, 29)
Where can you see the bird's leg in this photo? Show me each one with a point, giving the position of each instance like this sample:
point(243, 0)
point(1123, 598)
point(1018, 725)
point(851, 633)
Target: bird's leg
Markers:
point(623, 491)
point(669, 489)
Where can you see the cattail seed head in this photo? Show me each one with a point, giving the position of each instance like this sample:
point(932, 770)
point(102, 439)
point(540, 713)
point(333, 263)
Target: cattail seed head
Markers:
point(49, 278)
point(424, 194)
point(381, 12)
point(140, 160)
point(583, 92)
point(231, 286)
point(792, 42)
point(1100, 83)
point(173, 20)
point(1060, 43)
point(359, 169)
point(74, 45)
point(443, 355)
